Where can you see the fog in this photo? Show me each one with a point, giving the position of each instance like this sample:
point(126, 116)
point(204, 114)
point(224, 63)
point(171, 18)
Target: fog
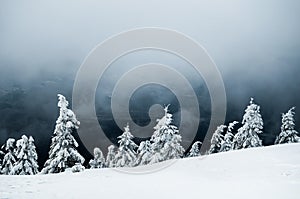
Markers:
point(255, 45)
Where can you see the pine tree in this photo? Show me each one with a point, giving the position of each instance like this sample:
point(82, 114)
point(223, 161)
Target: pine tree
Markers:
point(288, 133)
point(216, 140)
point(63, 153)
point(145, 152)
point(26, 163)
point(1, 159)
point(126, 155)
point(227, 143)
point(166, 140)
point(98, 161)
point(195, 150)
point(9, 158)
point(247, 135)
point(110, 158)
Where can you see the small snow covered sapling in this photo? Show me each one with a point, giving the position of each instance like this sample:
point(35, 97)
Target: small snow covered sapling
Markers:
point(126, 155)
point(217, 139)
point(98, 161)
point(288, 133)
point(227, 143)
point(111, 156)
point(195, 150)
point(63, 153)
point(77, 168)
point(9, 158)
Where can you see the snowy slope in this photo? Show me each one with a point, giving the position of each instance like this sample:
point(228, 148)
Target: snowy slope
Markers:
point(267, 172)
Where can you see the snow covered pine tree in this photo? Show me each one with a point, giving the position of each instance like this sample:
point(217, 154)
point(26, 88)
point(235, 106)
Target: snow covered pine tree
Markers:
point(166, 140)
point(98, 161)
point(26, 157)
point(126, 155)
point(63, 153)
point(288, 133)
point(247, 135)
point(227, 143)
point(1, 159)
point(145, 152)
point(216, 140)
point(9, 158)
point(110, 157)
point(195, 150)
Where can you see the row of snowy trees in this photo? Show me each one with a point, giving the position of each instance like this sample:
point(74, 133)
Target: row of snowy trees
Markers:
point(20, 158)
point(165, 144)
point(247, 136)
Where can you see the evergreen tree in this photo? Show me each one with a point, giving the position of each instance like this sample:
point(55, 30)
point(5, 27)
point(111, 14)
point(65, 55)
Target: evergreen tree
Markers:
point(166, 140)
point(145, 152)
point(63, 153)
point(1, 159)
point(216, 140)
point(288, 133)
point(9, 158)
point(195, 150)
point(98, 161)
point(227, 143)
point(26, 163)
point(247, 135)
point(126, 155)
point(110, 158)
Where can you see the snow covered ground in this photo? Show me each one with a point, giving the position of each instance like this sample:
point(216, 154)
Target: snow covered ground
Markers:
point(266, 172)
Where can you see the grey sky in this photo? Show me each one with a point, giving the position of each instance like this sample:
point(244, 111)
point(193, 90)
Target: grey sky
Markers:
point(34, 33)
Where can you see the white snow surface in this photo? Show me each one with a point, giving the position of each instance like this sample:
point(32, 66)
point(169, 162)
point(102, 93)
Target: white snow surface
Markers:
point(264, 172)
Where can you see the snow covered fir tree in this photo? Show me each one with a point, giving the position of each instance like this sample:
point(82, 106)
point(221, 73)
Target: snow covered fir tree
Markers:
point(252, 122)
point(217, 139)
point(98, 161)
point(111, 156)
point(126, 155)
point(195, 150)
point(145, 153)
point(288, 133)
point(26, 163)
point(1, 158)
point(9, 157)
point(63, 153)
point(166, 140)
point(227, 143)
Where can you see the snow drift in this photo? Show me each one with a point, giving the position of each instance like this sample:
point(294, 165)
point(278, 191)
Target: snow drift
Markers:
point(264, 172)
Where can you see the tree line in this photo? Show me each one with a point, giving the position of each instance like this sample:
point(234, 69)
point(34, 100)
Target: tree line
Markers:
point(20, 157)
